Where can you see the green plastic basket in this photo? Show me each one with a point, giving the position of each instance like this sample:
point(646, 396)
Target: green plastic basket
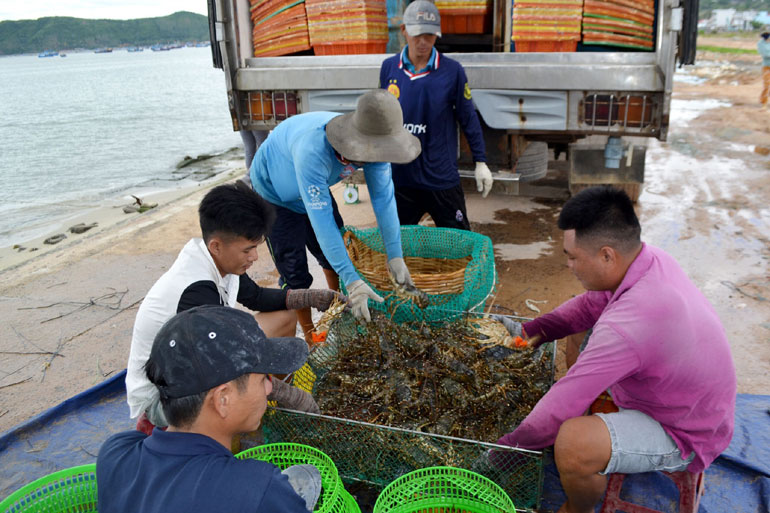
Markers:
point(479, 279)
point(351, 506)
point(443, 489)
point(66, 491)
point(284, 455)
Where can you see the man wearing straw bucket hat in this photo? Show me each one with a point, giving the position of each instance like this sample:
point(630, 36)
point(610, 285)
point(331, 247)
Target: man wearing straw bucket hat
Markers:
point(293, 170)
point(211, 366)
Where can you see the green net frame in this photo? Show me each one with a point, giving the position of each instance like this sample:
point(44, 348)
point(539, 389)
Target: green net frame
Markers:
point(69, 490)
point(445, 489)
point(445, 243)
point(377, 454)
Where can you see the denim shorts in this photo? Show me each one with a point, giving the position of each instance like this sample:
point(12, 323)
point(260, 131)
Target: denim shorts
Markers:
point(639, 444)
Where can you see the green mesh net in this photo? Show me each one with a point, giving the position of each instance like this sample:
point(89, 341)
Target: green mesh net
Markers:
point(376, 454)
point(456, 268)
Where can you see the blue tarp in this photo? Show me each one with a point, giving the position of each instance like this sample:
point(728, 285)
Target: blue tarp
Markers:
point(64, 436)
point(71, 433)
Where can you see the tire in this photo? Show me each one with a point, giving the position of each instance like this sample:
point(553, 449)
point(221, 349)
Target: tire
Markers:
point(533, 163)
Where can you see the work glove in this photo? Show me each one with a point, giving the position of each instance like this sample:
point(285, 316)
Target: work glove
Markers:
point(400, 272)
point(483, 179)
point(155, 413)
point(320, 299)
point(514, 327)
point(360, 293)
point(292, 398)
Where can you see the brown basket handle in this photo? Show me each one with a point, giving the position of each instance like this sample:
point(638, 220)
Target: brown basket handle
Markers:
point(351, 244)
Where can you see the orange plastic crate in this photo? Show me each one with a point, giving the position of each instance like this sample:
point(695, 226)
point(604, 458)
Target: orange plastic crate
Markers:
point(546, 46)
point(350, 48)
point(466, 23)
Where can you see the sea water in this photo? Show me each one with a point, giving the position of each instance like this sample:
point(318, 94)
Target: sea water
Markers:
point(80, 130)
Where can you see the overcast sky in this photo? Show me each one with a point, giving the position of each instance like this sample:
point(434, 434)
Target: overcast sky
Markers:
point(96, 9)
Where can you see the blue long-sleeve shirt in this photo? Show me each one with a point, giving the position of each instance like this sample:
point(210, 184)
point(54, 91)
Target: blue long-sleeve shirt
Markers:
point(295, 167)
point(433, 101)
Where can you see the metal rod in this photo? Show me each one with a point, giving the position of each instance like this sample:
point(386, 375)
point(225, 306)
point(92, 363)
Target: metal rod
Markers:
point(505, 448)
point(628, 107)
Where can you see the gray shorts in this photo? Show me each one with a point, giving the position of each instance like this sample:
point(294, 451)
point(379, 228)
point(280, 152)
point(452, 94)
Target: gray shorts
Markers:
point(639, 444)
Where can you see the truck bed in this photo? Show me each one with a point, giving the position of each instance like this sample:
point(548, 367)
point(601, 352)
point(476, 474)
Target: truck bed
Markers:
point(606, 71)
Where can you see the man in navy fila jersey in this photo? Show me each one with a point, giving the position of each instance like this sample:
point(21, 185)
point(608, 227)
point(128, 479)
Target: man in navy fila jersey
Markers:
point(434, 95)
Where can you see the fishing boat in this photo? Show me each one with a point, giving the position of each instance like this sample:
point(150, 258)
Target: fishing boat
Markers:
point(48, 53)
point(103, 50)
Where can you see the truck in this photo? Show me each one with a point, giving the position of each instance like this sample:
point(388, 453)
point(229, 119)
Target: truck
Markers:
point(594, 105)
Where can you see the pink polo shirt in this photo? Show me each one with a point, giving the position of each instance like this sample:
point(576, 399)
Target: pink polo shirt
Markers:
point(659, 347)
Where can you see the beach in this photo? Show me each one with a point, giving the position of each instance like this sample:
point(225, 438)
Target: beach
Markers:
point(68, 309)
point(100, 127)
point(109, 213)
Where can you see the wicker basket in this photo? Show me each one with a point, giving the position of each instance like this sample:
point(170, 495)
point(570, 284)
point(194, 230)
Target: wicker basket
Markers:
point(454, 268)
point(430, 275)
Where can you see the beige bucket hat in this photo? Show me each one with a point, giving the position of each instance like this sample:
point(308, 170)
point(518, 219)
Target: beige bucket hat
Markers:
point(374, 132)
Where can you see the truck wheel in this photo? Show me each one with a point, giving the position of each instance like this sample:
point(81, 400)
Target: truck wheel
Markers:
point(533, 163)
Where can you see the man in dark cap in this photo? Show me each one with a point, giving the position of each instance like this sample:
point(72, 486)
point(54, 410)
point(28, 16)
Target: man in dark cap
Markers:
point(293, 170)
point(211, 365)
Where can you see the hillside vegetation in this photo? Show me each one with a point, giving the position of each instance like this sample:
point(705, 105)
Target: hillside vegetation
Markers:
point(64, 33)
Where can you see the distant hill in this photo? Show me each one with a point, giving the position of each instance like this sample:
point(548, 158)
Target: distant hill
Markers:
point(64, 33)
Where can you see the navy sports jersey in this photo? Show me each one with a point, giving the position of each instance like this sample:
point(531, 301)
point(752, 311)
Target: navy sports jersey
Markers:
point(433, 101)
point(176, 472)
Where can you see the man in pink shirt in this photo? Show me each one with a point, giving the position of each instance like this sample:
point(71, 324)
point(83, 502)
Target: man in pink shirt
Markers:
point(657, 345)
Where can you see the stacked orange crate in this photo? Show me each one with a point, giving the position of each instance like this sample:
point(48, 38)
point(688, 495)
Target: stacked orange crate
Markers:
point(342, 27)
point(280, 27)
point(547, 25)
point(624, 23)
point(465, 16)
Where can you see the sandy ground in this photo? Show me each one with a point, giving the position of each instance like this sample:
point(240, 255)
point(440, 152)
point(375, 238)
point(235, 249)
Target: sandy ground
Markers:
point(67, 314)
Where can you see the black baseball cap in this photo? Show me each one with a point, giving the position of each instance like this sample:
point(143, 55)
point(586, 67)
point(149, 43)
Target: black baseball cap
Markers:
point(205, 346)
